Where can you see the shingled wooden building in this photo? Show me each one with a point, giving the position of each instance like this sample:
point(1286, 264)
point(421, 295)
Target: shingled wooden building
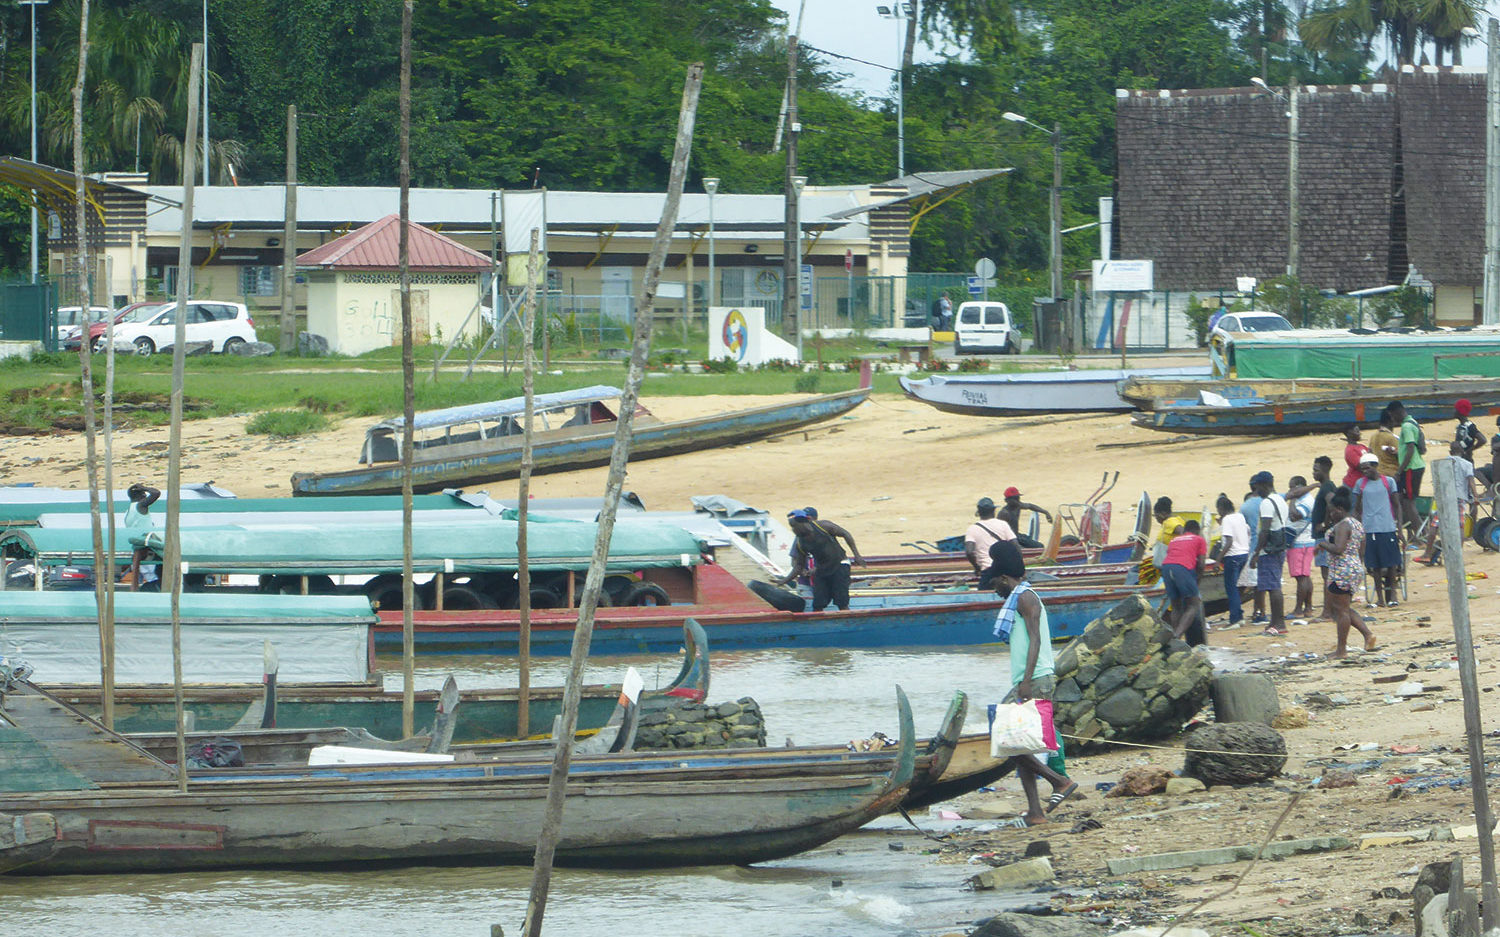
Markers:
point(1390, 185)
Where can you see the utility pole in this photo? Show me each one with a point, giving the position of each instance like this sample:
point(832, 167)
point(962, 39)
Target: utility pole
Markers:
point(1056, 212)
point(1491, 315)
point(289, 239)
point(791, 319)
point(1294, 211)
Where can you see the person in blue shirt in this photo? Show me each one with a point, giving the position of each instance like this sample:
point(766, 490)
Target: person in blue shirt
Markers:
point(1250, 511)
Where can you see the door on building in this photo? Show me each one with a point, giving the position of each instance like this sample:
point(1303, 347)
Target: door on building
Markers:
point(421, 330)
point(615, 292)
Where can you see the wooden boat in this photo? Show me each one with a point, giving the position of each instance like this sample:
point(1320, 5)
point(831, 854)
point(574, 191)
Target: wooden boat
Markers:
point(482, 442)
point(1309, 413)
point(1364, 354)
point(120, 811)
point(1147, 393)
point(25, 838)
point(736, 619)
point(1088, 391)
point(486, 714)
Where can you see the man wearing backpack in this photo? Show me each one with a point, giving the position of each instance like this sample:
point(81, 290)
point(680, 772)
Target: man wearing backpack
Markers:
point(1411, 464)
point(983, 534)
point(1270, 548)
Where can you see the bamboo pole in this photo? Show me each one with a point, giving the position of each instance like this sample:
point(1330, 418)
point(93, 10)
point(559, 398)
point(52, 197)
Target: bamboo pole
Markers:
point(172, 568)
point(1450, 527)
point(523, 495)
point(86, 379)
point(408, 388)
point(640, 350)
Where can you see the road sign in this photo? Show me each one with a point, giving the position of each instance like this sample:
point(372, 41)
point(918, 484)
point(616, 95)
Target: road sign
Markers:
point(976, 286)
point(848, 259)
point(984, 268)
point(1124, 276)
point(805, 287)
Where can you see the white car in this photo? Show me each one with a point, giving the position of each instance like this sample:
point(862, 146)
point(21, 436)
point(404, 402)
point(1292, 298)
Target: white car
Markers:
point(1249, 322)
point(985, 326)
point(223, 325)
point(71, 317)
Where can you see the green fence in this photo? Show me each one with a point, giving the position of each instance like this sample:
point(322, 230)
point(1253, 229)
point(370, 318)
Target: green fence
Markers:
point(28, 313)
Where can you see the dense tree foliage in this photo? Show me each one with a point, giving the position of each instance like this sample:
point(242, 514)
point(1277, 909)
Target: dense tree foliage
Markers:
point(582, 94)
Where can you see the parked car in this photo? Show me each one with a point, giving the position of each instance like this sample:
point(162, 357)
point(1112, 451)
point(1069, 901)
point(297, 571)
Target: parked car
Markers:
point(985, 326)
point(222, 325)
point(72, 337)
point(1249, 322)
point(71, 317)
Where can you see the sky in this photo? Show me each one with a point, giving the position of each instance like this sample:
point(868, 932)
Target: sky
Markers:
point(853, 27)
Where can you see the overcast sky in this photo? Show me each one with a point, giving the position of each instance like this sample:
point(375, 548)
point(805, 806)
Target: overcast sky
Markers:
point(853, 27)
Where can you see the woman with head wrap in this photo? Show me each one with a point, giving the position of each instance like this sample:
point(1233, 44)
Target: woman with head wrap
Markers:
point(1023, 624)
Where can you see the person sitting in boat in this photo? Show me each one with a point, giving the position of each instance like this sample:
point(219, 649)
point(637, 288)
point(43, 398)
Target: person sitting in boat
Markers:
point(1011, 515)
point(983, 534)
point(817, 546)
point(1022, 623)
point(147, 577)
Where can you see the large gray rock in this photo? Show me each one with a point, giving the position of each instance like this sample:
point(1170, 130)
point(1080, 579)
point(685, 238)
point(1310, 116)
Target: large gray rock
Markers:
point(1127, 678)
point(310, 345)
point(1233, 753)
point(252, 349)
point(1010, 924)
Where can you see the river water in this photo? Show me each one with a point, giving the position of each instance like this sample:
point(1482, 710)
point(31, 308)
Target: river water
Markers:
point(810, 696)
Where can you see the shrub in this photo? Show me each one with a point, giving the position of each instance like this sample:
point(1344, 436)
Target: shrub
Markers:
point(721, 366)
point(286, 423)
point(807, 383)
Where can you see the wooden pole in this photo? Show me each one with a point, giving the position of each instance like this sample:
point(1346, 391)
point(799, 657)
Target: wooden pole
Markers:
point(523, 495)
point(408, 388)
point(86, 378)
point(640, 350)
point(289, 239)
point(1450, 527)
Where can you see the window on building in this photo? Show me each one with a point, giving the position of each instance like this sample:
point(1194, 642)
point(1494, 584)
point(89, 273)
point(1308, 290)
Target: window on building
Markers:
point(259, 281)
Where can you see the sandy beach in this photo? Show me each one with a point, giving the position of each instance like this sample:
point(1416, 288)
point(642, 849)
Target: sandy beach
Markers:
point(896, 471)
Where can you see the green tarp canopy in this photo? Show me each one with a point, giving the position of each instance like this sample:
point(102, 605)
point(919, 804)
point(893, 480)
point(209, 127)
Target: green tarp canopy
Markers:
point(372, 549)
point(17, 607)
point(24, 514)
point(1343, 355)
point(62, 546)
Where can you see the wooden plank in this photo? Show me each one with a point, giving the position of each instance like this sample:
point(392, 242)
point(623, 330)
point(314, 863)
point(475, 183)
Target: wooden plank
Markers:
point(26, 765)
point(77, 742)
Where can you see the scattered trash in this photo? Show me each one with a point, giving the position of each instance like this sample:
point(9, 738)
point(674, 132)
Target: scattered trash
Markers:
point(1333, 778)
point(1084, 825)
point(1292, 717)
point(1403, 749)
point(1409, 688)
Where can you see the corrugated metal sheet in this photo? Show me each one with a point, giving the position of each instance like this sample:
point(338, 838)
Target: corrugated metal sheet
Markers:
point(376, 246)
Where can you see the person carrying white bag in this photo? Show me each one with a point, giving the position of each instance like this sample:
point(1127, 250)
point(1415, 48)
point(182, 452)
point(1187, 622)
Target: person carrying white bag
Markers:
point(1031, 676)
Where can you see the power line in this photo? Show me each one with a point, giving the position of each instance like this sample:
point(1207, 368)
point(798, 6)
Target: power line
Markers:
point(847, 58)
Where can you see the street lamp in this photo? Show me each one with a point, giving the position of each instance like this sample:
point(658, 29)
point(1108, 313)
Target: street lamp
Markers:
point(33, 4)
point(711, 186)
point(1293, 199)
point(798, 184)
point(1055, 246)
point(898, 12)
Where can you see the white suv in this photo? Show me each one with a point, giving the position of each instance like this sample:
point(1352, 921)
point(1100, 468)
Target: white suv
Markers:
point(222, 325)
point(985, 326)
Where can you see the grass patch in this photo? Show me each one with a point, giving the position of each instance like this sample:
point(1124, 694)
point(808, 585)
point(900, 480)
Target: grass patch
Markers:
point(286, 423)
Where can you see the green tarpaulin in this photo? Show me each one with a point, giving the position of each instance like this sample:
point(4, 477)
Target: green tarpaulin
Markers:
point(1345, 355)
point(18, 607)
point(23, 514)
point(61, 547)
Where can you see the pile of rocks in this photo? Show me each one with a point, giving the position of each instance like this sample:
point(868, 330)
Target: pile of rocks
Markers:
point(1128, 679)
point(702, 725)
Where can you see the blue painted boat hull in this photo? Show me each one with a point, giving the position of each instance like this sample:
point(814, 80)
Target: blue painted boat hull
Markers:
point(1306, 417)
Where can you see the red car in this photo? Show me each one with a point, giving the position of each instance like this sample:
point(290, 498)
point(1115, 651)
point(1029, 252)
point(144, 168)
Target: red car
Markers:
point(71, 340)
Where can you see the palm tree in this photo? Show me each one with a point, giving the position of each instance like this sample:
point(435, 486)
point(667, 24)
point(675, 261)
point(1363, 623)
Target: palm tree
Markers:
point(1406, 24)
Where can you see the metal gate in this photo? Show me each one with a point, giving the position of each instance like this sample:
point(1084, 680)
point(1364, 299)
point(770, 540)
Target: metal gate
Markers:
point(28, 313)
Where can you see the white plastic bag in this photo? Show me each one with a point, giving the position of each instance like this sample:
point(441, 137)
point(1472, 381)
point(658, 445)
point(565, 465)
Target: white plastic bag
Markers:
point(1017, 730)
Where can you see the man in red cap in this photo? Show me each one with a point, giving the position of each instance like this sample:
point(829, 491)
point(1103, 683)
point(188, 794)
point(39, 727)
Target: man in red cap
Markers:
point(1467, 435)
point(1011, 514)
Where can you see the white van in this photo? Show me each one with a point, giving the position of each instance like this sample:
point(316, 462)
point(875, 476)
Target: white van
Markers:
point(985, 327)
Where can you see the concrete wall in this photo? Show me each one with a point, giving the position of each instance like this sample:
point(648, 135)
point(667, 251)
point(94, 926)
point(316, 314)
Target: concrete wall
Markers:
point(359, 312)
point(1454, 305)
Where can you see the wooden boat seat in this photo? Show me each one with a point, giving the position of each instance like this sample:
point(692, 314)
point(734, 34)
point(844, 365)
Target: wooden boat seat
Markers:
point(62, 742)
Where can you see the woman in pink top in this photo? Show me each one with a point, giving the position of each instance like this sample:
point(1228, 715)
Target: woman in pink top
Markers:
point(1352, 451)
point(1179, 574)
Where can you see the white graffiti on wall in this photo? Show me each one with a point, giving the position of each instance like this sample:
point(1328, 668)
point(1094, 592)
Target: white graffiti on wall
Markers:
point(379, 320)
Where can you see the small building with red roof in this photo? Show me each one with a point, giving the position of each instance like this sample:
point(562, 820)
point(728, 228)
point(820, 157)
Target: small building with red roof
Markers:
point(354, 287)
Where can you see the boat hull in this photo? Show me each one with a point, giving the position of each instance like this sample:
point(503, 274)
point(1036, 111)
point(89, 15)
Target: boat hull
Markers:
point(1305, 417)
point(649, 441)
point(1091, 391)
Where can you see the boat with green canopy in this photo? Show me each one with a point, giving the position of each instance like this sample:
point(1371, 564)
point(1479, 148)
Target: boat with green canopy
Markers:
point(1358, 354)
point(28, 513)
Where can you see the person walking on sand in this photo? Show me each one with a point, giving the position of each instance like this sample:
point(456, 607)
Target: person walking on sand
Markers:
point(1270, 548)
point(1412, 465)
point(1023, 624)
point(1345, 573)
point(1464, 473)
point(983, 534)
point(143, 577)
point(1250, 511)
point(1011, 515)
point(1234, 552)
point(1180, 574)
point(1353, 449)
point(1466, 432)
point(1377, 505)
point(1302, 499)
point(1322, 472)
point(817, 541)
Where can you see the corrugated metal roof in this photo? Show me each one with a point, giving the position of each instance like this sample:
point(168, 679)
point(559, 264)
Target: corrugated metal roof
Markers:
point(376, 246)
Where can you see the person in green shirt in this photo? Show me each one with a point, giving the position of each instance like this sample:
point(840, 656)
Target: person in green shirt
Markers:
point(1410, 464)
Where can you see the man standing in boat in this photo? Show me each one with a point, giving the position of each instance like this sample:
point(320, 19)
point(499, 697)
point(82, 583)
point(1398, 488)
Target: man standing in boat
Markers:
point(143, 578)
point(817, 541)
point(983, 534)
point(1011, 515)
point(1023, 624)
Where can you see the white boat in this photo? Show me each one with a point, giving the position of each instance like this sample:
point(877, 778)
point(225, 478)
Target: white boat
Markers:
point(1092, 391)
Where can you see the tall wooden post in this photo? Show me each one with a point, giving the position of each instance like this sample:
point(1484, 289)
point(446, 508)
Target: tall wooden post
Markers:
point(289, 239)
point(172, 567)
point(640, 350)
point(791, 272)
point(523, 571)
point(408, 388)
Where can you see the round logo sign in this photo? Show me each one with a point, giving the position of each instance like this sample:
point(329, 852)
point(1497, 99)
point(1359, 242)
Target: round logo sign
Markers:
point(736, 335)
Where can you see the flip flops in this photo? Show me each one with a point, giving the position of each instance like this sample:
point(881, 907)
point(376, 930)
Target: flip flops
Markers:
point(1059, 796)
point(1274, 633)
